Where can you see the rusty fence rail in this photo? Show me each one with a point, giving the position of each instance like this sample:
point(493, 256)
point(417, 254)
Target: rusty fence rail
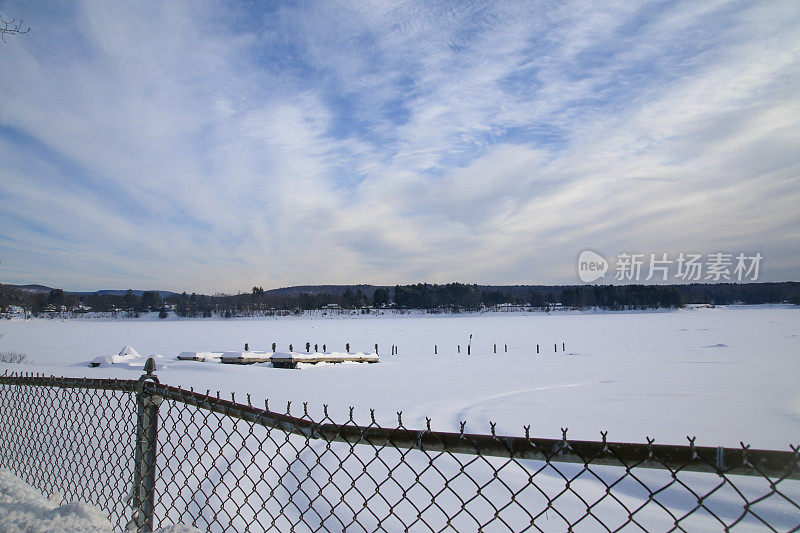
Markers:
point(152, 455)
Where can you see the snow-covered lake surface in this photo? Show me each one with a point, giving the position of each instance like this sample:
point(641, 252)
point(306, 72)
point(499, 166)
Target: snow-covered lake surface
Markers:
point(726, 375)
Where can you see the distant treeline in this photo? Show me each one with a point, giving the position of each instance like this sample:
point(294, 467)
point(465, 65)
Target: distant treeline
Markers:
point(431, 297)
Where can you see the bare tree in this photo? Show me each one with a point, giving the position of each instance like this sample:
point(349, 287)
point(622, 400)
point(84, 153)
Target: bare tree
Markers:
point(11, 27)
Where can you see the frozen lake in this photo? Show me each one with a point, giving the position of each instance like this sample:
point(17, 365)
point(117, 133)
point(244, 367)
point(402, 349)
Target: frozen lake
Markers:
point(726, 375)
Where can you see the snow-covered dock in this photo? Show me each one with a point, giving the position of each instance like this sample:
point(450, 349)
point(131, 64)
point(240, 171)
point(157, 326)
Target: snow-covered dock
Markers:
point(200, 356)
point(280, 359)
point(245, 358)
point(291, 359)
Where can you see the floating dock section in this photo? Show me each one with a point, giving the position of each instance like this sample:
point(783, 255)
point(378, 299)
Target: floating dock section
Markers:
point(245, 358)
point(291, 359)
point(200, 356)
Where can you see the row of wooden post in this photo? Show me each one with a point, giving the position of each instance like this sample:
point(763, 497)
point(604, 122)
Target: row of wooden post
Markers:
point(316, 347)
point(505, 348)
point(394, 348)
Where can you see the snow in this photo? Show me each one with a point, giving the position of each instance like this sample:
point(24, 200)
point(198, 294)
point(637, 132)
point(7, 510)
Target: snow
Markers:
point(726, 374)
point(127, 356)
point(24, 509)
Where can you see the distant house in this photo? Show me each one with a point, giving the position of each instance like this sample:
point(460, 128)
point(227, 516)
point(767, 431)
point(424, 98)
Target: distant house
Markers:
point(333, 308)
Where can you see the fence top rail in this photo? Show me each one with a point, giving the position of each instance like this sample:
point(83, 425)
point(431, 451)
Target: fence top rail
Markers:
point(688, 457)
point(41, 380)
point(719, 460)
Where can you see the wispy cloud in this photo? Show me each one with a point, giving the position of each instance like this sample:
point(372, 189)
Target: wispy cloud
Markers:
point(211, 148)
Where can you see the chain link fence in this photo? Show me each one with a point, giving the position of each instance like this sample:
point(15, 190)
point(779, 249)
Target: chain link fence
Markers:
point(153, 455)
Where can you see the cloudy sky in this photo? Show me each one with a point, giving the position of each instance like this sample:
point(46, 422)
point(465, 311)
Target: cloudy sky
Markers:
point(211, 147)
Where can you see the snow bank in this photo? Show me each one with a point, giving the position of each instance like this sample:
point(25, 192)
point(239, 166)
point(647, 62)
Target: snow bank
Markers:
point(25, 509)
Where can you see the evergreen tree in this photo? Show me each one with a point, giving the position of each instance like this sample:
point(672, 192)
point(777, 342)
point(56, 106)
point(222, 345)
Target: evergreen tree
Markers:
point(130, 301)
point(56, 297)
point(380, 298)
point(150, 301)
point(348, 298)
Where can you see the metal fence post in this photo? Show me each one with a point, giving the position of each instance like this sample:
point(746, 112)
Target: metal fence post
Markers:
point(144, 474)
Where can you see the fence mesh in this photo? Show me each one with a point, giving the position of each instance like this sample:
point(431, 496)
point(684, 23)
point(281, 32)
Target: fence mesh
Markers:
point(71, 440)
point(226, 466)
